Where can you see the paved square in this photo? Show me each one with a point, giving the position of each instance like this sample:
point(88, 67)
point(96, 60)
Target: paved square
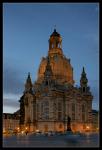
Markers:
point(31, 140)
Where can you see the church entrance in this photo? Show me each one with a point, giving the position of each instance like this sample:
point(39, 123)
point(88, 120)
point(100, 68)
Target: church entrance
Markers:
point(46, 128)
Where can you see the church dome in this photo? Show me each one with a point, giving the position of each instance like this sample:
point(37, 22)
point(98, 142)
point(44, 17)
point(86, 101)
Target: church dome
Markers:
point(60, 65)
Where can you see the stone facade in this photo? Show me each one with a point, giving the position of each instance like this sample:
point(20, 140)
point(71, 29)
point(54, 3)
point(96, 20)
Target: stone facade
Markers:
point(48, 102)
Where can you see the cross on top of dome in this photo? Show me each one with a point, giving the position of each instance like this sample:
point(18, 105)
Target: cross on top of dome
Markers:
point(55, 33)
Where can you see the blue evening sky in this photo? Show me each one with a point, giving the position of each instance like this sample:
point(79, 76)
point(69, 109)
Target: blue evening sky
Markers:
point(26, 30)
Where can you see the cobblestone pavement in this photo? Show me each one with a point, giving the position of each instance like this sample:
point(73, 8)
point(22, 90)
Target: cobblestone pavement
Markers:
point(31, 140)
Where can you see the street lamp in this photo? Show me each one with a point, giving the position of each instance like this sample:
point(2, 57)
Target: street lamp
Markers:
point(87, 127)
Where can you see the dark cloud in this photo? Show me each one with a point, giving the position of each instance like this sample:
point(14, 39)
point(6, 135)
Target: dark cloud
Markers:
point(10, 103)
point(12, 82)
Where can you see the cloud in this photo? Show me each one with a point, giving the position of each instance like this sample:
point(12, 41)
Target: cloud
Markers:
point(13, 88)
point(8, 102)
point(12, 82)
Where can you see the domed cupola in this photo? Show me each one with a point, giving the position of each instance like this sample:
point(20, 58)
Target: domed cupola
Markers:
point(55, 43)
point(62, 70)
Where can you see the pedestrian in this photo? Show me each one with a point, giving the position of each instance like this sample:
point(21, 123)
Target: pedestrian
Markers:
point(26, 132)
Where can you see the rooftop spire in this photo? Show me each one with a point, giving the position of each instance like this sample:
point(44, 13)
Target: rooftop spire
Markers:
point(54, 28)
point(28, 84)
point(83, 80)
point(83, 70)
point(28, 74)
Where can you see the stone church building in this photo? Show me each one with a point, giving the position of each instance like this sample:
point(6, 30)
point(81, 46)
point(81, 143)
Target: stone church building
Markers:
point(46, 104)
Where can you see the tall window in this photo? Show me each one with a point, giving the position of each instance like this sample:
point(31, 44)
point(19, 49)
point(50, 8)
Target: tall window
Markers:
point(41, 107)
point(38, 113)
point(59, 111)
point(73, 107)
point(46, 110)
point(83, 108)
point(73, 116)
point(59, 115)
point(58, 45)
point(73, 111)
point(52, 45)
point(59, 107)
point(83, 117)
point(83, 112)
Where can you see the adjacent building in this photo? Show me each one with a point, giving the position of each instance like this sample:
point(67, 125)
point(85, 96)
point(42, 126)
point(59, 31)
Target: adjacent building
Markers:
point(10, 122)
point(95, 120)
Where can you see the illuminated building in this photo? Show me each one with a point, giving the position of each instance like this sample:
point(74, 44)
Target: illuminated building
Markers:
point(95, 120)
point(10, 122)
point(46, 104)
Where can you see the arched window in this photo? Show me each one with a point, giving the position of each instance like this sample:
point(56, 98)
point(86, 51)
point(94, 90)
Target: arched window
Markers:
point(52, 45)
point(83, 89)
point(58, 45)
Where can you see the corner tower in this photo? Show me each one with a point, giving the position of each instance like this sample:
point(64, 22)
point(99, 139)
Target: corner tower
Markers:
point(83, 81)
point(28, 84)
